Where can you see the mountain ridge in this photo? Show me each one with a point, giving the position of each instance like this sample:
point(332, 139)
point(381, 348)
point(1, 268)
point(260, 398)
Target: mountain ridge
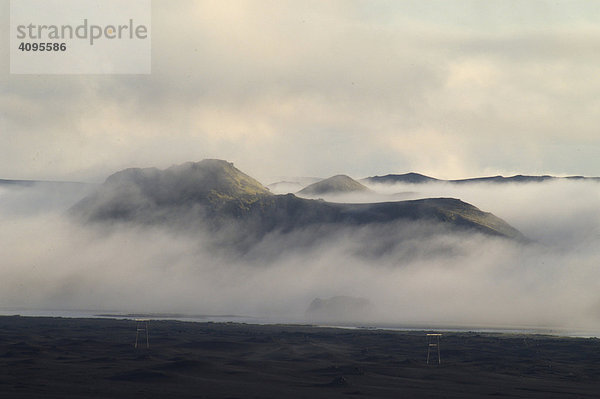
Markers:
point(417, 178)
point(213, 194)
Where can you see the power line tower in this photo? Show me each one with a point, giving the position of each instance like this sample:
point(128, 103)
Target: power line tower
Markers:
point(433, 345)
point(141, 326)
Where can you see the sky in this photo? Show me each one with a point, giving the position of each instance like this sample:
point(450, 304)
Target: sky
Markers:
point(451, 89)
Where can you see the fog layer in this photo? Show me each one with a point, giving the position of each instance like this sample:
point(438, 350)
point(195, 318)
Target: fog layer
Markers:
point(50, 261)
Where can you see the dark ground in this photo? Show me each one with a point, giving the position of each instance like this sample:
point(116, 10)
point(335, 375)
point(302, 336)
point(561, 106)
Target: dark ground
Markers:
point(95, 358)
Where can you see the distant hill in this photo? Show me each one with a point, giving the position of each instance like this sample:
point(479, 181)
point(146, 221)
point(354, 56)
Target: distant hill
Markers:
point(30, 183)
point(520, 179)
point(14, 183)
point(416, 178)
point(214, 195)
point(334, 185)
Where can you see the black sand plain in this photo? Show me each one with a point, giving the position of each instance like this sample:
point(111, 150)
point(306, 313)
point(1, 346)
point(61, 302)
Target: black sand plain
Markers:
point(44, 357)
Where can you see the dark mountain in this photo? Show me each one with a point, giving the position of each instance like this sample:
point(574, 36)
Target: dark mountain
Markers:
point(338, 184)
point(214, 195)
point(520, 179)
point(416, 178)
point(151, 195)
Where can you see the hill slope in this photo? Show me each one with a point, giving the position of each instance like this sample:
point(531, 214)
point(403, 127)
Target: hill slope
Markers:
point(334, 185)
point(153, 195)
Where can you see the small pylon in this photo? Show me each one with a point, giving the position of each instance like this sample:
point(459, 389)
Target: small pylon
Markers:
point(433, 344)
point(141, 326)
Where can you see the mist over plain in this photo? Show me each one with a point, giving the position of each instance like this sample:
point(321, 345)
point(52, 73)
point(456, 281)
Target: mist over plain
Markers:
point(428, 277)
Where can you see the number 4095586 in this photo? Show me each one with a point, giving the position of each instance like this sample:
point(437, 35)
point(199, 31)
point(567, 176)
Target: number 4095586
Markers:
point(42, 46)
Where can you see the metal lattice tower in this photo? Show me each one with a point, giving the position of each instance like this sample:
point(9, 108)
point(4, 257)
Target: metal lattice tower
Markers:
point(141, 326)
point(433, 345)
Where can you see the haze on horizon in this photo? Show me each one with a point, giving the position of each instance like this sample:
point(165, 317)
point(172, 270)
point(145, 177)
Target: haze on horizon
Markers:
point(429, 276)
point(285, 88)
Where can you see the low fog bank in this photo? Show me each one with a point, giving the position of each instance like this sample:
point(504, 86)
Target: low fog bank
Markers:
point(559, 213)
point(23, 200)
point(365, 197)
point(52, 262)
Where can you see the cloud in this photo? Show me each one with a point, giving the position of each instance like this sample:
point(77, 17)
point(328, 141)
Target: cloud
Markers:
point(555, 213)
point(445, 90)
point(425, 277)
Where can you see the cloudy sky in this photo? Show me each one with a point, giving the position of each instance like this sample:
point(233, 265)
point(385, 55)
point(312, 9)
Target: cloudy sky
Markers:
point(452, 89)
